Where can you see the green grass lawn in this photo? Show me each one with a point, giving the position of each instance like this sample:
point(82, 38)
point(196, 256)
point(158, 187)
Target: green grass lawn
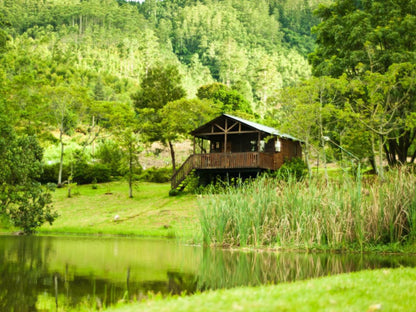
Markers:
point(380, 290)
point(151, 212)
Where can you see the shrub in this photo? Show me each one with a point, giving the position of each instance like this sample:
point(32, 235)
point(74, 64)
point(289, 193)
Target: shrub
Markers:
point(157, 175)
point(174, 192)
point(84, 173)
point(50, 173)
point(295, 168)
point(88, 173)
point(99, 173)
point(110, 154)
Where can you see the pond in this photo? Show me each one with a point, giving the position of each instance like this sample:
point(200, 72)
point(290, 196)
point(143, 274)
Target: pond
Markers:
point(64, 273)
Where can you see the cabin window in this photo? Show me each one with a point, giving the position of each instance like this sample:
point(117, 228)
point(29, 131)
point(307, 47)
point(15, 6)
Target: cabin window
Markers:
point(277, 146)
point(262, 145)
point(216, 147)
point(253, 146)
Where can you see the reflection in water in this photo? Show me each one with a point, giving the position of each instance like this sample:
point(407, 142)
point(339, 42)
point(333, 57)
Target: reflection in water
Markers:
point(225, 268)
point(60, 274)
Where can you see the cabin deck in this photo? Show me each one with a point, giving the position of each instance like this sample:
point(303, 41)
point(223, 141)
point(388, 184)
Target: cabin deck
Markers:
point(233, 161)
point(248, 160)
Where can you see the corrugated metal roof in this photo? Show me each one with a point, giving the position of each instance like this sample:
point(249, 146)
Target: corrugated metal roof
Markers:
point(262, 128)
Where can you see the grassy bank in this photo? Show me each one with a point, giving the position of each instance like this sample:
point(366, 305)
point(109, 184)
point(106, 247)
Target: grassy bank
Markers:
point(109, 210)
point(386, 290)
point(339, 214)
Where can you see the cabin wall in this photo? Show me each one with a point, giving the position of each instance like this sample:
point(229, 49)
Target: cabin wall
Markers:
point(289, 149)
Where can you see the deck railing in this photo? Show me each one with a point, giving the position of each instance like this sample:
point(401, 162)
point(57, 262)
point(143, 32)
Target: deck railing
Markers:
point(182, 172)
point(233, 160)
point(223, 161)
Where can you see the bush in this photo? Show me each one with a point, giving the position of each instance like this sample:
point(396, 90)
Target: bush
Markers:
point(110, 154)
point(88, 173)
point(157, 175)
point(293, 168)
point(50, 173)
point(83, 173)
point(174, 192)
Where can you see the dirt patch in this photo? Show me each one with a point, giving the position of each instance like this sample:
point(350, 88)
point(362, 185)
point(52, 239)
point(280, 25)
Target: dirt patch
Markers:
point(157, 155)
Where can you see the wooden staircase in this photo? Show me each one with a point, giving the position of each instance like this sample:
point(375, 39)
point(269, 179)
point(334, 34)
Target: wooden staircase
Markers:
point(179, 177)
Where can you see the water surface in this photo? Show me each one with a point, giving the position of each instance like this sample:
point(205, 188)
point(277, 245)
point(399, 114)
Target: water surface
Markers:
point(64, 273)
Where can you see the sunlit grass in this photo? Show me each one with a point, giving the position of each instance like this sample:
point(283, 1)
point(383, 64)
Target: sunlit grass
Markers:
point(379, 290)
point(109, 210)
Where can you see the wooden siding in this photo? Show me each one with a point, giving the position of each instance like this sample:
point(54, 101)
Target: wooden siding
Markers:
point(289, 149)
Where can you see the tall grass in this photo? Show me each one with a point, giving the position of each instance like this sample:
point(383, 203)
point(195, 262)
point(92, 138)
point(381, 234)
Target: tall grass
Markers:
point(338, 214)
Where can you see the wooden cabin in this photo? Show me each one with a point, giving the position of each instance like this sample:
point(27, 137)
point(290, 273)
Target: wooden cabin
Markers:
point(229, 145)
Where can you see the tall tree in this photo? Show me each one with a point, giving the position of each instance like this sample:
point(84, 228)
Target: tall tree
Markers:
point(161, 85)
point(227, 99)
point(383, 103)
point(308, 112)
point(182, 116)
point(22, 199)
point(127, 131)
point(357, 37)
point(63, 104)
point(119, 119)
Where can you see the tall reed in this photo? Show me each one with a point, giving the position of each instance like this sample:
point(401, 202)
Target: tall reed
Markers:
point(310, 213)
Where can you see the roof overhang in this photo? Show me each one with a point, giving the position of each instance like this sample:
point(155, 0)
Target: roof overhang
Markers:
point(204, 132)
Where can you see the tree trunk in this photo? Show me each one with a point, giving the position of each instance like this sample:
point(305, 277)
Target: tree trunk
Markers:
point(324, 159)
point(380, 151)
point(390, 150)
point(61, 161)
point(307, 159)
point(397, 149)
point(172, 155)
point(413, 157)
point(131, 172)
point(372, 158)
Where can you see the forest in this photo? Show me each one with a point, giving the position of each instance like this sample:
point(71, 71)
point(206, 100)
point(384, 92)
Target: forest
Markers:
point(85, 85)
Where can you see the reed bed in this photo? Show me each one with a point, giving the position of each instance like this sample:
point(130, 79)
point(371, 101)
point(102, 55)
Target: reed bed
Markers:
point(312, 213)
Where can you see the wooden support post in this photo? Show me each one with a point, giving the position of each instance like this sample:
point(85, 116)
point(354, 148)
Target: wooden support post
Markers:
point(225, 137)
point(258, 142)
point(194, 141)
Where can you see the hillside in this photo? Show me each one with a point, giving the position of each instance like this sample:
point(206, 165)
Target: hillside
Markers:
point(255, 47)
point(70, 64)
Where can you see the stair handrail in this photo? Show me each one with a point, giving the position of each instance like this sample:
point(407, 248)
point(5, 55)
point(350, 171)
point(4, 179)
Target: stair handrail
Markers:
point(182, 172)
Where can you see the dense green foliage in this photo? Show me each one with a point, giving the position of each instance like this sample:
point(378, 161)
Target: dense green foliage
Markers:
point(368, 45)
point(227, 100)
point(313, 213)
point(356, 36)
point(159, 86)
point(293, 168)
point(23, 201)
point(106, 46)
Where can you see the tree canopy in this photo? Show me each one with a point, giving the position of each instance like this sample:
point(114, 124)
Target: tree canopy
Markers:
point(23, 200)
point(370, 44)
point(365, 35)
